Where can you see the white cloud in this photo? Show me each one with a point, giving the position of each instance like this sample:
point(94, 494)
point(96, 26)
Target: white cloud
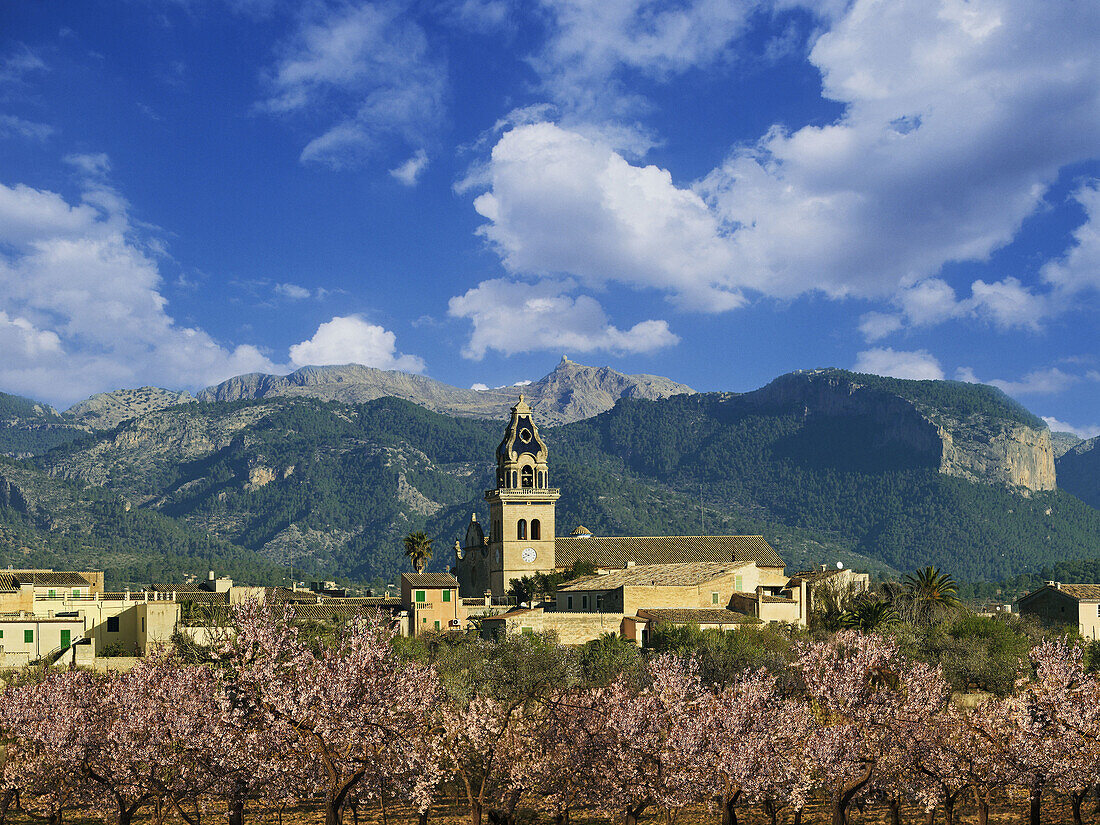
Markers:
point(369, 69)
point(593, 43)
point(624, 223)
point(12, 126)
point(351, 340)
point(1056, 426)
point(956, 119)
point(292, 291)
point(918, 364)
point(80, 303)
point(877, 325)
point(409, 172)
point(514, 317)
point(479, 387)
point(1044, 381)
point(1079, 268)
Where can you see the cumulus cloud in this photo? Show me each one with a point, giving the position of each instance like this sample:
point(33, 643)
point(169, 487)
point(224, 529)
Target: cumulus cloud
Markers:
point(561, 202)
point(1057, 426)
point(512, 317)
point(351, 340)
point(1037, 382)
point(409, 172)
point(956, 119)
point(80, 302)
point(917, 364)
point(370, 71)
point(1079, 268)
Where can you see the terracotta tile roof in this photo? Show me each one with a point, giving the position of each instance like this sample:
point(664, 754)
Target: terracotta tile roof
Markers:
point(697, 616)
point(332, 612)
point(430, 579)
point(616, 551)
point(204, 596)
point(660, 575)
point(64, 579)
point(766, 598)
point(175, 588)
point(8, 583)
point(814, 576)
point(1082, 592)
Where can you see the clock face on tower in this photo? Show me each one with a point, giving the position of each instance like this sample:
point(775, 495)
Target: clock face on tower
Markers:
point(528, 554)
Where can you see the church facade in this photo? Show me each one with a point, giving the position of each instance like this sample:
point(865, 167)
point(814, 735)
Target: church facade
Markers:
point(658, 572)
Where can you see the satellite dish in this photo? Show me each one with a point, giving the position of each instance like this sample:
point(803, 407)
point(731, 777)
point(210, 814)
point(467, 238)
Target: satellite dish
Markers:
point(840, 565)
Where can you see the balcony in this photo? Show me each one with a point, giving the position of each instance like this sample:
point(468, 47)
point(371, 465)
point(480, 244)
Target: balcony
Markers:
point(524, 492)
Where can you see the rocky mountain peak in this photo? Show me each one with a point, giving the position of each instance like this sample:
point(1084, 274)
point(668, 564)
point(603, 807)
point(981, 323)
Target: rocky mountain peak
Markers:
point(106, 410)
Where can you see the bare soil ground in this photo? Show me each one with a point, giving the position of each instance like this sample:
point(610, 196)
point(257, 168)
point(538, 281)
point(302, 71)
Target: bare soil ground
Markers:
point(1008, 811)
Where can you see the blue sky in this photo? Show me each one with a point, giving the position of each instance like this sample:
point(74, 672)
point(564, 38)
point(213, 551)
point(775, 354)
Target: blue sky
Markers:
point(712, 190)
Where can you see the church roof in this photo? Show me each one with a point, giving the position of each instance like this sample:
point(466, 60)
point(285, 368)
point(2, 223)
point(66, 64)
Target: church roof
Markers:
point(659, 575)
point(616, 551)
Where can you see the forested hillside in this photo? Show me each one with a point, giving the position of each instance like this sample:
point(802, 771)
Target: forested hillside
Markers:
point(1079, 471)
point(332, 488)
point(46, 522)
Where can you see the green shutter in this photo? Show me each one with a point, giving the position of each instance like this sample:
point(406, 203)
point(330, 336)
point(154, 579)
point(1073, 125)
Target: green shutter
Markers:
point(446, 595)
point(420, 597)
point(76, 591)
point(28, 637)
point(437, 624)
point(53, 594)
point(737, 583)
point(1, 634)
point(66, 635)
point(714, 598)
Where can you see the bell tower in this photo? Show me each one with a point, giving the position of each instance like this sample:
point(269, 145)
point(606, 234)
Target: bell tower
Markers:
point(521, 508)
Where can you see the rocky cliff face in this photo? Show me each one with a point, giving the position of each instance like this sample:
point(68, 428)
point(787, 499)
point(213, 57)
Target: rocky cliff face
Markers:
point(979, 446)
point(570, 393)
point(107, 410)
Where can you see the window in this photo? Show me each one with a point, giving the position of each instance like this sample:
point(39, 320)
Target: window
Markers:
point(714, 598)
point(530, 631)
point(425, 620)
point(568, 604)
point(446, 595)
point(66, 636)
point(76, 591)
point(112, 624)
point(142, 624)
point(53, 594)
point(437, 624)
point(737, 583)
point(599, 603)
point(542, 479)
point(528, 477)
point(28, 637)
point(584, 602)
point(521, 529)
point(421, 597)
point(536, 529)
point(1, 634)
point(514, 478)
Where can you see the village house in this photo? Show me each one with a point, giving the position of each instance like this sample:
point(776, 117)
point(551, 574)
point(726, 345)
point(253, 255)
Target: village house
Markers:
point(1059, 605)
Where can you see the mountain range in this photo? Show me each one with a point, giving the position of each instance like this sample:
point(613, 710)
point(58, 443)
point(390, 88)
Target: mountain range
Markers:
point(324, 471)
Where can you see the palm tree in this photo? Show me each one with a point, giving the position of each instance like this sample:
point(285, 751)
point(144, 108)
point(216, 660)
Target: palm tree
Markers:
point(930, 592)
point(868, 616)
point(418, 547)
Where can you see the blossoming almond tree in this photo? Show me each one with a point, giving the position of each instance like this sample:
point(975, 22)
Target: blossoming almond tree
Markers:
point(872, 704)
point(356, 707)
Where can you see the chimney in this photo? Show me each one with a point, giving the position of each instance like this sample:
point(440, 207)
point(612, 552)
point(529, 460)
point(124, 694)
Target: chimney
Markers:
point(1049, 584)
point(210, 576)
point(629, 564)
point(823, 567)
point(1058, 585)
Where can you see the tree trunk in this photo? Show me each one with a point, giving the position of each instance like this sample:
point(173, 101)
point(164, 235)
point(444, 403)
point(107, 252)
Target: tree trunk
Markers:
point(842, 796)
point(422, 816)
point(5, 803)
point(1075, 800)
point(729, 808)
point(930, 817)
point(798, 816)
point(633, 813)
point(949, 801)
point(334, 810)
point(895, 811)
point(475, 812)
point(1035, 815)
point(236, 812)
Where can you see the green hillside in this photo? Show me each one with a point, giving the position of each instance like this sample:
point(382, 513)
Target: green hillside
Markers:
point(45, 522)
point(29, 428)
point(1079, 471)
point(333, 488)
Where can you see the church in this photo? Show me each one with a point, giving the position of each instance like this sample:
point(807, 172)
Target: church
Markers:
point(707, 580)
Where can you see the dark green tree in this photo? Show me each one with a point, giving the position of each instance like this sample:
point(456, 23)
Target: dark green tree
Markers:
point(418, 548)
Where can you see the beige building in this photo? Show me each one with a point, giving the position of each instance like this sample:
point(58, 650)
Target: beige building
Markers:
point(835, 583)
point(1075, 605)
point(432, 602)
